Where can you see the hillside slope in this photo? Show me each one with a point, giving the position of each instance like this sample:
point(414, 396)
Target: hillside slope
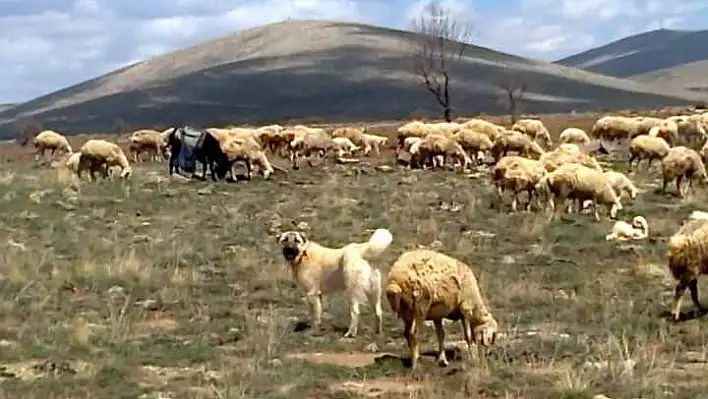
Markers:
point(643, 53)
point(691, 76)
point(300, 69)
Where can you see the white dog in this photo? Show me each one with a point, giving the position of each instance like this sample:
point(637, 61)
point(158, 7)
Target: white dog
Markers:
point(322, 271)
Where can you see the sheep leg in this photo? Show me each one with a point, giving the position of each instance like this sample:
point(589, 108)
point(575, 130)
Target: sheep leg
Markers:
point(353, 317)
point(693, 287)
point(440, 334)
point(411, 332)
point(678, 294)
point(513, 202)
point(678, 186)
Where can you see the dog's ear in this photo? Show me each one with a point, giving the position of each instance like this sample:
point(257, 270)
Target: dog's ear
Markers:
point(279, 238)
point(303, 237)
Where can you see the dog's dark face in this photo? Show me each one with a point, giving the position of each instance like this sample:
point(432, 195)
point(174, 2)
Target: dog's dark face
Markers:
point(292, 243)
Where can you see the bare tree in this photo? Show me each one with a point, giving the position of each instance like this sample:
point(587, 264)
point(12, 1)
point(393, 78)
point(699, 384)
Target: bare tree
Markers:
point(514, 90)
point(441, 43)
point(25, 130)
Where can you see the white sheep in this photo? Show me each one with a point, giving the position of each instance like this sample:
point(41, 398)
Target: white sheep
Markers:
point(579, 183)
point(623, 231)
point(688, 259)
point(99, 155)
point(667, 130)
point(535, 129)
point(72, 163)
point(621, 184)
point(344, 146)
point(679, 164)
point(427, 285)
point(150, 141)
point(647, 147)
point(517, 174)
point(475, 143)
point(50, 140)
point(438, 148)
point(574, 135)
point(372, 141)
point(517, 142)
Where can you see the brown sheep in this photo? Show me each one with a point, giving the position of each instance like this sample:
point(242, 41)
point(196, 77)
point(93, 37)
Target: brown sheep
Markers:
point(682, 163)
point(427, 285)
point(688, 259)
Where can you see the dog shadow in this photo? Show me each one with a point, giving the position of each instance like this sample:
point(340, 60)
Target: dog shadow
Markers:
point(452, 354)
point(304, 325)
point(683, 316)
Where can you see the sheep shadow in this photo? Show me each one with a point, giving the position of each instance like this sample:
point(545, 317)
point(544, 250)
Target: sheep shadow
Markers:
point(452, 354)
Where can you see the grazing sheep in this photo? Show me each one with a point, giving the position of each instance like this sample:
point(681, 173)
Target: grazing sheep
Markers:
point(647, 147)
point(355, 135)
point(621, 184)
point(573, 135)
point(614, 128)
point(72, 162)
point(517, 142)
point(623, 231)
point(437, 149)
point(691, 129)
point(50, 140)
point(249, 152)
point(343, 146)
point(517, 174)
point(372, 141)
point(535, 129)
point(99, 155)
point(475, 143)
point(487, 128)
point(579, 183)
point(667, 130)
point(645, 124)
point(682, 163)
point(562, 155)
point(688, 259)
point(149, 141)
point(570, 148)
point(427, 285)
point(311, 143)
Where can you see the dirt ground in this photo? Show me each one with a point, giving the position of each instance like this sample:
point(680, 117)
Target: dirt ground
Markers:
point(171, 288)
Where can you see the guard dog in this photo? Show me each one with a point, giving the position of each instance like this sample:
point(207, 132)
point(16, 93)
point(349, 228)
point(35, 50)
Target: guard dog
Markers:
point(323, 271)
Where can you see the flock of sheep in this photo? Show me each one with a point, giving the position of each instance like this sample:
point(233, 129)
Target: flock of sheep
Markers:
point(426, 285)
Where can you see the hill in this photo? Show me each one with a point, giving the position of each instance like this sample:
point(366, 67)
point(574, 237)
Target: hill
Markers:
point(320, 69)
point(643, 53)
point(691, 76)
point(5, 106)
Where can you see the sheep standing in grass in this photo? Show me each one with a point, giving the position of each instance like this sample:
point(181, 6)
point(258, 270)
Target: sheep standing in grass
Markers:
point(437, 149)
point(688, 259)
point(99, 155)
point(373, 142)
point(72, 163)
point(621, 184)
point(427, 285)
point(475, 143)
point(517, 174)
point(691, 129)
point(517, 142)
point(563, 155)
point(579, 183)
point(573, 135)
point(667, 130)
point(312, 143)
point(647, 147)
point(623, 231)
point(614, 128)
point(343, 146)
point(535, 129)
point(149, 141)
point(487, 128)
point(249, 152)
point(49, 140)
point(679, 164)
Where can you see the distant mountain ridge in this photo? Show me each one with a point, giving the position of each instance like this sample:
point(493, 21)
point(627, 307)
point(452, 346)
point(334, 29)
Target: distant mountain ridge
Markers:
point(333, 71)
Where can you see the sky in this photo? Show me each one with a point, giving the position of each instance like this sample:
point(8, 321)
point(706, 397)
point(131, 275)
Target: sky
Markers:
point(47, 45)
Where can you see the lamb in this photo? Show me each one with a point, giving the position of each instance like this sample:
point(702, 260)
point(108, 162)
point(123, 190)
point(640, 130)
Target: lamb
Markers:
point(50, 140)
point(621, 184)
point(150, 141)
point(72, 162)
point(667, 130)
point(355, 135)
point(372, 141)
point(427, 285)
point(647, 147)
point(535, 129)
point(474, 143)
point(580, 183)
point(623, 231)
point(688, 259)
point(682, 163)
point(99, 155)
point(344, 146)
point(573, 135)
point(517, 174)
point(518, 142)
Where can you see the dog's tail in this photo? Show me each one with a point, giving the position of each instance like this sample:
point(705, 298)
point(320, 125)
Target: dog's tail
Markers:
point(377, 244)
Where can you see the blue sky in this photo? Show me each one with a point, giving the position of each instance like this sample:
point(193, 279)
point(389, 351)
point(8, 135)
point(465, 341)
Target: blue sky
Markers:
point(50, 44)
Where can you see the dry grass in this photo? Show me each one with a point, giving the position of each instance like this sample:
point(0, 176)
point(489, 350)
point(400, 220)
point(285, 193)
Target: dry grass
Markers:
point(165, 287)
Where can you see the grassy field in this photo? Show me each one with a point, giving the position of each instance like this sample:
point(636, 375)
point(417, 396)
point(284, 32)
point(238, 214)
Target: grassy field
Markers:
point(167, 288)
